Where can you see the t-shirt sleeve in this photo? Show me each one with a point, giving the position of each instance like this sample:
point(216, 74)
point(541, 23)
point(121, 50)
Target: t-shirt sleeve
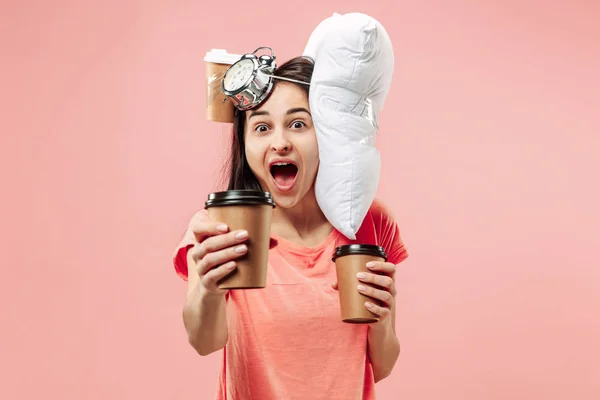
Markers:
point(388, 232)
point(187, 242)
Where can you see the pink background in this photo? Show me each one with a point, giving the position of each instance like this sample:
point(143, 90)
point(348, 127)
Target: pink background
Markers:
point(489, 142)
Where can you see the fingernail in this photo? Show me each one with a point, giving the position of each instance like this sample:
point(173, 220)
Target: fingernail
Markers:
point(368, 305)
point(240, 249)
point(361, 275)
point(222, 228)
point(371, 264)
point(361, 288)
point(241, 235)
point(230, 266)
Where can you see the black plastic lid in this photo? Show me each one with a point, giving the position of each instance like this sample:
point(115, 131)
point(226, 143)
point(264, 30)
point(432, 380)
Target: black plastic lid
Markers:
point(365, 249)
point(239, 198)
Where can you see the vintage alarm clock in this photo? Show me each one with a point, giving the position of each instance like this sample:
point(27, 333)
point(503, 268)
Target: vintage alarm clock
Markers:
point(249, 81)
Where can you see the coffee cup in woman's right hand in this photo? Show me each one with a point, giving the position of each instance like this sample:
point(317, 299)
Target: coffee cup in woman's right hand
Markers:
point(250, 211)
point(349, 261)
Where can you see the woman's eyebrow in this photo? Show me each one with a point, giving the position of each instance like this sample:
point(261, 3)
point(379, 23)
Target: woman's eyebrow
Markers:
point(297, 110)
point(257, 113)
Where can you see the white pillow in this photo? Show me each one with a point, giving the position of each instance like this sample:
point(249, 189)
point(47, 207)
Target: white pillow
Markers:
point(354, 63)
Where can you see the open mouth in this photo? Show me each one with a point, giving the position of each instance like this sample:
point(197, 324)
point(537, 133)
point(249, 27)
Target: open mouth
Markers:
point(284, 174)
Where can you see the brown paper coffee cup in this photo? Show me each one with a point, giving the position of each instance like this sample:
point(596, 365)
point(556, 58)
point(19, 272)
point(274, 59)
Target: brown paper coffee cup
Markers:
point(252, 211)
point(349, 261)
point(218, 107)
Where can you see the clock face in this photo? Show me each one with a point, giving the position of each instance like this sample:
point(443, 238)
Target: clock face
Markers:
point(238, 75)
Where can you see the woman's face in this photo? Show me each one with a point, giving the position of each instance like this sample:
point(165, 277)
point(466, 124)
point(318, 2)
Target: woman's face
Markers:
point(281, 145)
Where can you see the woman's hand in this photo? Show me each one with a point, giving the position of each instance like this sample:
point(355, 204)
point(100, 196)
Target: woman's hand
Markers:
point(215, 253)
point(384, 293)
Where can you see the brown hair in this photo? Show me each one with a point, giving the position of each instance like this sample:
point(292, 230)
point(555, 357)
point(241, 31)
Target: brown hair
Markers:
point(237, 171)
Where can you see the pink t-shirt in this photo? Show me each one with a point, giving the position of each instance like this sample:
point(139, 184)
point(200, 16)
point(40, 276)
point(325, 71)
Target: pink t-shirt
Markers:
point(287, 341)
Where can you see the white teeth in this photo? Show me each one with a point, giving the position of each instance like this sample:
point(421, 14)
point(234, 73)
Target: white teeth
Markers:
point(281, 163)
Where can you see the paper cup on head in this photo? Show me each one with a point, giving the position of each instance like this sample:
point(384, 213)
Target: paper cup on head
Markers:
point(252, 211)
point(218, 107)
point(349, 261)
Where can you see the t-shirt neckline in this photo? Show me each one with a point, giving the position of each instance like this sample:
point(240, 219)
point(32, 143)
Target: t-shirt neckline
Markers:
point(301, 249)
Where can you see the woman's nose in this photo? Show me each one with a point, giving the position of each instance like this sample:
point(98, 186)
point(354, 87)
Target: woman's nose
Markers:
point(281, 144)
point(282, 147)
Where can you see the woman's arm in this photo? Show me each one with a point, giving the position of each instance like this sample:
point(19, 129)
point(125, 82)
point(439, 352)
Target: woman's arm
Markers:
point(211, 259)
point(204, 316)
point(384, 347)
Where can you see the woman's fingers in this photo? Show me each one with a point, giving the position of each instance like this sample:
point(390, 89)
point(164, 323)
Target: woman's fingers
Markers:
point(375, 279)
point(385, 268)
point(383, 312)
point(214, 259)
point(203, 228)
point(383, 281)
point(212, 277)
point(219, 242)
point(377, 294)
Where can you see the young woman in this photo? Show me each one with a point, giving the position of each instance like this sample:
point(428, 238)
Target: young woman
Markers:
point(287, 341)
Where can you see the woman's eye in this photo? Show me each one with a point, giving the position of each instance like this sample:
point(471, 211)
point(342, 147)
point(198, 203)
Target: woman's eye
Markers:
point(298, 125)
point(261, 128)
